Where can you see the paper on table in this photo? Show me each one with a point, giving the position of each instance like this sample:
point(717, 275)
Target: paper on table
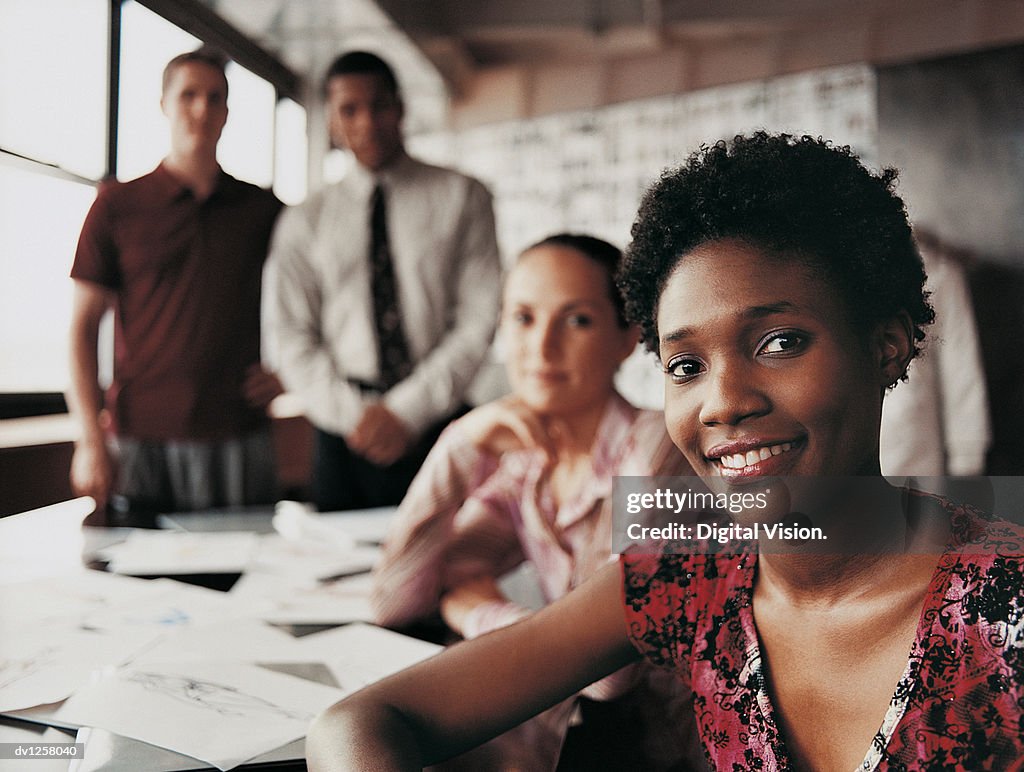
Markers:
point(175, 604)
point(238, 640)
point(369, 526)
point(44, 651)
point(308, 557)
point(41, 714)
point(46, 664)
point(43, 542)
point(67, 599)
point(147, 553)
point(222, 713)
point(360, 654)
point(298, 522)
point(109, 752)
point(282, 600)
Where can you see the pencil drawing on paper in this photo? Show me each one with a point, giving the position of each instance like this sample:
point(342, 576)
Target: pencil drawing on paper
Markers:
point(225, 700)
point(17, 669)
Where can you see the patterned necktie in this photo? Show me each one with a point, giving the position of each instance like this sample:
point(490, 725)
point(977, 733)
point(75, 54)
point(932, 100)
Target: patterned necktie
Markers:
point(392, 348)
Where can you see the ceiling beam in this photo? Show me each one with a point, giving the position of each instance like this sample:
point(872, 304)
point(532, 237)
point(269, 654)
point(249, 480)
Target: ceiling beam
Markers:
point(197, 19)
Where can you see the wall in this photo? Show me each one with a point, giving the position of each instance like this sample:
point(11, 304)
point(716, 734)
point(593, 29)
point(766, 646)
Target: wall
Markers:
point(954, 126)
point(586, 170)
point(955, 129)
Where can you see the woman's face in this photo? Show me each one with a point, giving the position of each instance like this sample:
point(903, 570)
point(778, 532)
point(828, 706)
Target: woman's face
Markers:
point(765, 374)
point(561, 331)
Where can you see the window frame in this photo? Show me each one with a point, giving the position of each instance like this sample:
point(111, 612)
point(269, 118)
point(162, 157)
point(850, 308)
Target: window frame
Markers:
point(200, 21)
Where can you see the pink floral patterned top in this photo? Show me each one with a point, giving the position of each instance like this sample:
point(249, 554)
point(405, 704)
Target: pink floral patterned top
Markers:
point(959, 704)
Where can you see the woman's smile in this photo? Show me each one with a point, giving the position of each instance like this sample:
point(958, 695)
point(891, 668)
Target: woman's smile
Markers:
point(753, 457)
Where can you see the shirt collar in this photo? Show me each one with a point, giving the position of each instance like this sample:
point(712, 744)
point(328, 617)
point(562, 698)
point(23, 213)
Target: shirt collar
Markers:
point(610, 443)
point(365, 180)
point(173, 188)
point(612, 434)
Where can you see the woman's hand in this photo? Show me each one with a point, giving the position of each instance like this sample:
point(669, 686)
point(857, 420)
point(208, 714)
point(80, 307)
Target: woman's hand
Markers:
point(456, 604)
point(508, 424)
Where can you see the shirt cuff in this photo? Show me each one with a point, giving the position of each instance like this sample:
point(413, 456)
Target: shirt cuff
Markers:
point(966, 462)
point(411, 409)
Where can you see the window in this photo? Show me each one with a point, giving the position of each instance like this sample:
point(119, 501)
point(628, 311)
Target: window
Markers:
point(53, 86)
point(53, 132)
point(291, 177)
point(148, 42)
point(40, 217)
point(54, 146)
point(246, 149)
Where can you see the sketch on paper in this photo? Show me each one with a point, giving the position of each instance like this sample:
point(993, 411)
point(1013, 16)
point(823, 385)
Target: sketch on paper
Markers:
point(15, 669)
point(218, 711)
point(225, 700)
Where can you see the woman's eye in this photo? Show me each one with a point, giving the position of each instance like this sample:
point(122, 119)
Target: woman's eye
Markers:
point(580, 320)
point(783, 343)
point(521, 318)
point(684, 369)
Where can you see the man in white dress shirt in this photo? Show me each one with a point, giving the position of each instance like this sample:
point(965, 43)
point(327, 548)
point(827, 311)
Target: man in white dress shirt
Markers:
point(385, 290)
point(937, 422)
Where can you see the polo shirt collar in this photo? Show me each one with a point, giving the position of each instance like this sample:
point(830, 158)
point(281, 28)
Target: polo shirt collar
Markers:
point(173, 188)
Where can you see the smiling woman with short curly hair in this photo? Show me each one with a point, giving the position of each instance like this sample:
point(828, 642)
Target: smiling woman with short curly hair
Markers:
point(777, 281)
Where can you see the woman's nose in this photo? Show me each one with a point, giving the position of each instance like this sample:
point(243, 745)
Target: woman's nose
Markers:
point(546, 340)
point(732, 394)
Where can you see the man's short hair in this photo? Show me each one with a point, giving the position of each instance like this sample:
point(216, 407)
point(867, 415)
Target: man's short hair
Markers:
point(363, 63)
point(207, 55)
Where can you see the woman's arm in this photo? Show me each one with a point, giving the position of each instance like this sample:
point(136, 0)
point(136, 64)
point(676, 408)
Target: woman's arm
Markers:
point(408, 581)
point(423, 554)
point(478, 689)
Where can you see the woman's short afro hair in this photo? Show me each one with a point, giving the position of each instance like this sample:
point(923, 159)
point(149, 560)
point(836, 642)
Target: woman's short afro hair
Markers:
point(796, 197)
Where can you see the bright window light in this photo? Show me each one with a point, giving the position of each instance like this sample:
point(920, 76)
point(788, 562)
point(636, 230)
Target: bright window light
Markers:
point(290, 172)
point(53, 82)
point(40, 219)
point(246, 148)
point(148, 42)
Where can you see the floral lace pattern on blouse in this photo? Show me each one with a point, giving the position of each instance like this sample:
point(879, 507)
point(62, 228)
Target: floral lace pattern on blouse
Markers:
point(958, 705)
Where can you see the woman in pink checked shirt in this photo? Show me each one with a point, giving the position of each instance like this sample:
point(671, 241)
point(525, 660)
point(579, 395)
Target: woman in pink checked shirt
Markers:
point(529, 478)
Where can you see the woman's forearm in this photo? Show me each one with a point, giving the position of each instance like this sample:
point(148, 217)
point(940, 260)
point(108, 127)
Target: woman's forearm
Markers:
point(476, 690)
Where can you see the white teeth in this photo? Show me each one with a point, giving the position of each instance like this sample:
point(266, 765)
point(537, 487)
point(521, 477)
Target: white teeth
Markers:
point(732, 462)
point(751, 457)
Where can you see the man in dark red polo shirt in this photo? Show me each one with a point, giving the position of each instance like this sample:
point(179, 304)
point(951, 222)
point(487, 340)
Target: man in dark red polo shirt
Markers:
point(178, 254)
